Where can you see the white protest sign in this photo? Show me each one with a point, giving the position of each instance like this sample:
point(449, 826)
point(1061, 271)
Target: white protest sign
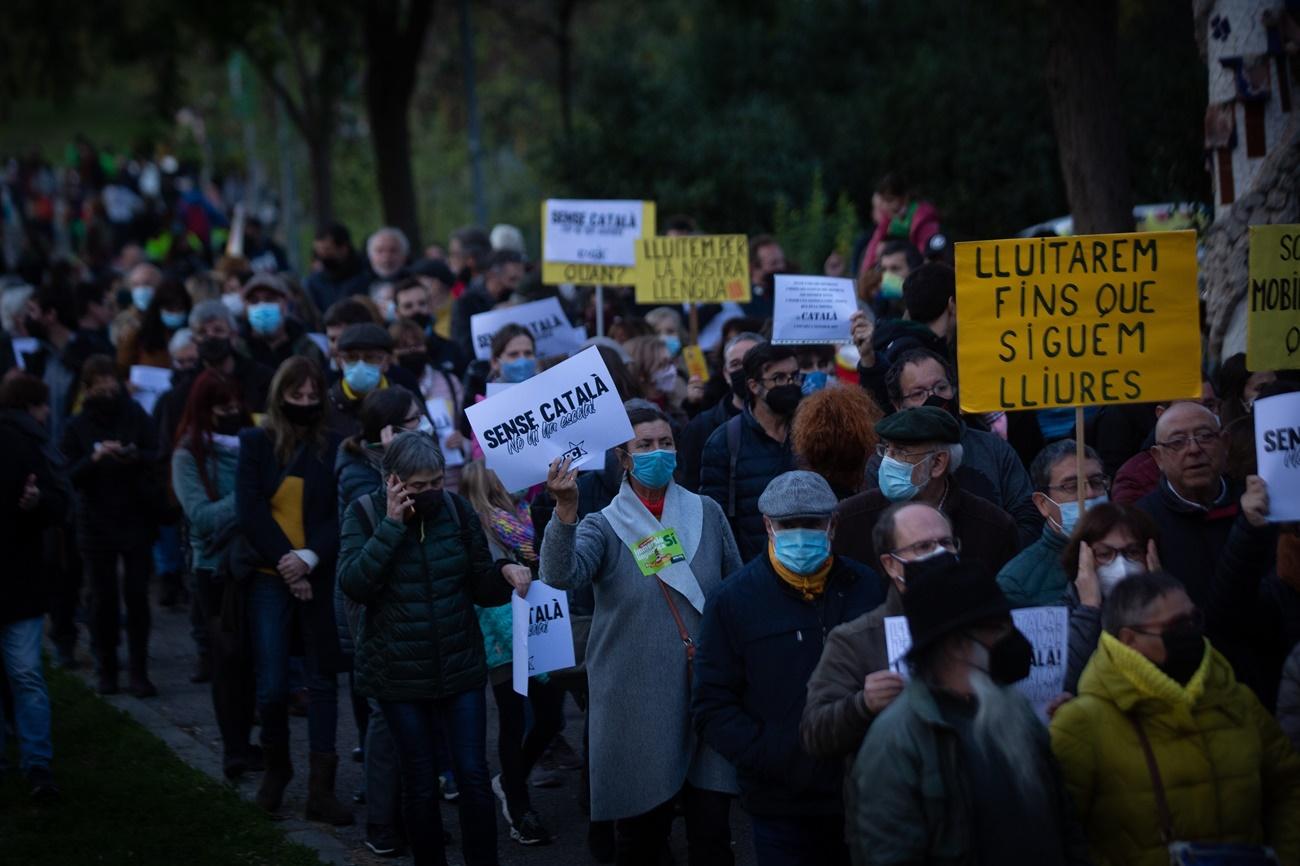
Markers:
point(576, 231)
point(542, 632)
point(443, 427)
point(148, 384)
point(571, 410)
point(810, 310)
point(552, 333)
point(1047, 628)
point(24, 346)
point(1277, 451)
point(322, 342)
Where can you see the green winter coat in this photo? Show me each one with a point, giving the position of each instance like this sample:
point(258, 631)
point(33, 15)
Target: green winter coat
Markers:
point(419, 582)
point(1228, 772)
point(913, 803)
point(1034, 577)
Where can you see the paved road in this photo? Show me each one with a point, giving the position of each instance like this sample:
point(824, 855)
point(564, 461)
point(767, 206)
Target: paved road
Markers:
point(187, 709)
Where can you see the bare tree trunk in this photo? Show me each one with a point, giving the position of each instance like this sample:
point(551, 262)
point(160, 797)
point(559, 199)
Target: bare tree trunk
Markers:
point(564, 52)
point(321, 163)
point(1083, 79)
point(394, 34)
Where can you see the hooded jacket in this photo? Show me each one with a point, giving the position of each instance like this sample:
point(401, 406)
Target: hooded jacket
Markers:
point(1228, 772)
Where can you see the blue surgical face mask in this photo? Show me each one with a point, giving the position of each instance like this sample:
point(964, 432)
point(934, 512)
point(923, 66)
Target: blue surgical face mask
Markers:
point(895, 478)
point(264, 318)
point(518, 370)
point(1070, 512)
point(361, 377)
point(673, 345)
point(802, 551)
point(814, 382)
point(173, 320)
point(141, 296)
point(891, 285)
point(654, 469)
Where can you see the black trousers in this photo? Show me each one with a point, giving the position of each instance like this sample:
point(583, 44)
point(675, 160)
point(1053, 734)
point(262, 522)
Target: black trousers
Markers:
point(65, 586)
point(641, 839)
point(234, 687)
point(518, 751)
point(133, 588)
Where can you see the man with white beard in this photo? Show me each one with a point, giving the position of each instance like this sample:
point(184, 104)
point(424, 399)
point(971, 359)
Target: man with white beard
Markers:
point(958, 769)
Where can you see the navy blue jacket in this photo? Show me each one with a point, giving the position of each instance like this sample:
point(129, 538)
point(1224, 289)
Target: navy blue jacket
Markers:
point(760, 458)
point(759, 643)
point(690, 445)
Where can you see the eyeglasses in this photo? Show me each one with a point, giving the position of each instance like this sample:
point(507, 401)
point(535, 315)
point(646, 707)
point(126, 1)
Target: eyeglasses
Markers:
point(779, 379)
point(1202, 438)
point(940, 389)
point(926, 547)
point(1098, 483)
point(913, 457)
point(1104, 554)
point(1195, 619)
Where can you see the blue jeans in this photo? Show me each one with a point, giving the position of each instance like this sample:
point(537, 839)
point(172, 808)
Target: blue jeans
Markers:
point(414, 727)
point(271, 621)
point(802, 840)
point(20, 651)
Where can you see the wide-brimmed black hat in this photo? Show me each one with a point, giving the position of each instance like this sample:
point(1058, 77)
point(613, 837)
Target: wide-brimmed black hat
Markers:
point(945, 595)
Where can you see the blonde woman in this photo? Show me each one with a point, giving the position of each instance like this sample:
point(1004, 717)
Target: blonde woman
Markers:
point(509, 531)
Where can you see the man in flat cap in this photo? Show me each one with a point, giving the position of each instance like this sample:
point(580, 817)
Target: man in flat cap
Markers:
point(959, 769)
point(274, 335)
point(760, 639)
point(920, 451)
point(365, 355)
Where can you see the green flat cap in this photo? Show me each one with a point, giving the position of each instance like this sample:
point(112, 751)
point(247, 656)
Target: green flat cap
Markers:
point(922, 424)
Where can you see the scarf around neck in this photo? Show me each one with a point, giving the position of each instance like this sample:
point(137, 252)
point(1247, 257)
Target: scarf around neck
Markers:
point(681, 524)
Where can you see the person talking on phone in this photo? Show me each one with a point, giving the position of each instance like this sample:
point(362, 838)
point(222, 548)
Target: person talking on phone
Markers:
point(414, 554)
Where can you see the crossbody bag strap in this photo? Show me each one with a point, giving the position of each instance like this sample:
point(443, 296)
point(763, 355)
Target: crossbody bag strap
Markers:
point(1162, 804)
point(687, 642)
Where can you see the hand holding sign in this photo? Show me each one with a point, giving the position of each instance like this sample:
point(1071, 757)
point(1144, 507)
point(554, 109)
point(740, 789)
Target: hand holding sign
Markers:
point(879, 690)
point(562, 484)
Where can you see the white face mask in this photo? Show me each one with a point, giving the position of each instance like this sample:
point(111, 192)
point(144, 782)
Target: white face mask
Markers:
point(1110, 574)
point(665, 380)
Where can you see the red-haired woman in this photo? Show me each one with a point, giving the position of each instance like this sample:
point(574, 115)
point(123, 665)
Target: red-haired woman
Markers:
point(203, 477)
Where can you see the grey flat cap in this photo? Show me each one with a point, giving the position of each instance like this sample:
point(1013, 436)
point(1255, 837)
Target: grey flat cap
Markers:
point(365, 335)
point(797, 494)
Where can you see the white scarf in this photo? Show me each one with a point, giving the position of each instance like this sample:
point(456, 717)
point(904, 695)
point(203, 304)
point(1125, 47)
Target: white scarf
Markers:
point(683, 512)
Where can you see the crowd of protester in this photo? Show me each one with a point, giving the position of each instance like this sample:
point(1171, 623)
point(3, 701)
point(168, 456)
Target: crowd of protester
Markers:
point(309, 487)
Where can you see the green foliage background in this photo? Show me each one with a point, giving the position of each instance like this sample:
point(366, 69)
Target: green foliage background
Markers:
point(749, 115)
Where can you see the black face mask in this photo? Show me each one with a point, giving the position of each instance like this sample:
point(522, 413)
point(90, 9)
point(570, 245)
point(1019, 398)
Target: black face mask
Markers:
point(1010, 658)
point(739, 385)
point(949, 405)
point(213, 350)
point(784, 399)
point(227, 425)
point(100, 406)
point(36, 328)
point(427, 503)
point(1184, 651)
point(422, 319)
point(302, 416)
point(414, 361)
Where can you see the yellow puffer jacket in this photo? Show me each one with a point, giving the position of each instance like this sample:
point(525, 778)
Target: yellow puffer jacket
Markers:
point(1229, 773)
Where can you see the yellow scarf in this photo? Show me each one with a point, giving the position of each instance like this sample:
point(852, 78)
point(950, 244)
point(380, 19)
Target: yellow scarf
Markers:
point(810, 586)
point(353, 396)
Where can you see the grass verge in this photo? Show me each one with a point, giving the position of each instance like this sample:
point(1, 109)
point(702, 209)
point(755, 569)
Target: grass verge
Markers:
point(128, 800)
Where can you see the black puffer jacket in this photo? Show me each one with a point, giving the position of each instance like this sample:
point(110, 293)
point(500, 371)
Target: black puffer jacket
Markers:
point(759, 459)
point(419, 583)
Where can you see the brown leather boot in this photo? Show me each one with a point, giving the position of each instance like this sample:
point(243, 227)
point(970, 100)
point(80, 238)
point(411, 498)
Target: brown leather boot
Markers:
point(322, 805)
point(279, 770)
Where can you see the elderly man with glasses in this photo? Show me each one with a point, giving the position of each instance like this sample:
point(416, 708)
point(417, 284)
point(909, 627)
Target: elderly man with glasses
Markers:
point(1035, 577)
point(1215, 537)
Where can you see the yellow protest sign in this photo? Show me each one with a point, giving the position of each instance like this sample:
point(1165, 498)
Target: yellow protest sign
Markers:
point(703, 269)
point(592, 241)
point(1273, 320)
point(1079, 321)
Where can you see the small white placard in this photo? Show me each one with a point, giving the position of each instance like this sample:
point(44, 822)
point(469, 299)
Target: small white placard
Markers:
point(587, 232)
point(542, 632)
point(1277, 453)
point(811, 309)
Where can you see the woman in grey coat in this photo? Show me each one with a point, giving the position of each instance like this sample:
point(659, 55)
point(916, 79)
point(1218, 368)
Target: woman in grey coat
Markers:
point(651, 556)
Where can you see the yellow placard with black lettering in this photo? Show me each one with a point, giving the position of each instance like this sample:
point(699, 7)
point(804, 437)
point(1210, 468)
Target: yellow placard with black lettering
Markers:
point(692, 269)
point(1077, 321)
point(1273, 314)
point(657, 551)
